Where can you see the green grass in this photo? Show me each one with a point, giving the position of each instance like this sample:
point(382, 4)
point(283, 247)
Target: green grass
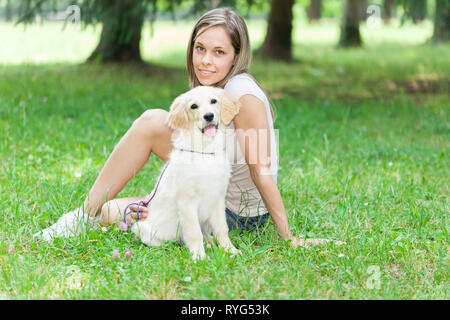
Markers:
point(364, 153)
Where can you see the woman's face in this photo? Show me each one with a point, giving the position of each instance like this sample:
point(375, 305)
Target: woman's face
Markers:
point(213, 56)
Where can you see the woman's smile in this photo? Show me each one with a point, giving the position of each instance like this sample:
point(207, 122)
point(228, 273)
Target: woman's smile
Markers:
point(206, 73)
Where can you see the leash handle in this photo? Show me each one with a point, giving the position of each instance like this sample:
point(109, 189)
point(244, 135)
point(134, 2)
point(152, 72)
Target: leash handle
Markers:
point(140, 203)
point(143, 203)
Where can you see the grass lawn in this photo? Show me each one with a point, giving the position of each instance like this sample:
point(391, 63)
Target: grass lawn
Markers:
point(364, 158)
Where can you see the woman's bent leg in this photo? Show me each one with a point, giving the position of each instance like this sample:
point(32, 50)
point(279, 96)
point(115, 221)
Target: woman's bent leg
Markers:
point(148, 134)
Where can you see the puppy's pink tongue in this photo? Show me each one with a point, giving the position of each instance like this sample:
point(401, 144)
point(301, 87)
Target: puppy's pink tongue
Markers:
point(210, 131)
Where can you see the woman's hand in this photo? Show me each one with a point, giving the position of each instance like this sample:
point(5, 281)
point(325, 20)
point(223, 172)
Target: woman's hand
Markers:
point(297, 242)
point(134, 216)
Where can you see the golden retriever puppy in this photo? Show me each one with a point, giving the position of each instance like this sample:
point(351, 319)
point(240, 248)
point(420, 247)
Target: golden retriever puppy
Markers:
point(188, 202)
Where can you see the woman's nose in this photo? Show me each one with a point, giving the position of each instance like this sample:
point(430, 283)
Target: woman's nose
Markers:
point(207, 58)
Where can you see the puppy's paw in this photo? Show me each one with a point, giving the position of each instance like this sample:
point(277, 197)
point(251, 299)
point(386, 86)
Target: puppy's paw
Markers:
point(233, 251)
point(198, 255)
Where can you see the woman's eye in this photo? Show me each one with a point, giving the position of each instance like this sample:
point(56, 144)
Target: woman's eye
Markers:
point(220, 52)
point(194, 106)
point(198, 48)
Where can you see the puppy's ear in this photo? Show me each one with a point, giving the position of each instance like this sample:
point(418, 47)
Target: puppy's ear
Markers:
point(178, 117)
point(229, 107)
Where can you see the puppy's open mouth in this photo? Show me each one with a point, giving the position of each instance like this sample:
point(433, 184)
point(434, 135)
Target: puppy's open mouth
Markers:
point(210, 130)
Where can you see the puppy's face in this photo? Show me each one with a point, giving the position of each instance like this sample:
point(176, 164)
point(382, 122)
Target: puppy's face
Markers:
point(204, 109)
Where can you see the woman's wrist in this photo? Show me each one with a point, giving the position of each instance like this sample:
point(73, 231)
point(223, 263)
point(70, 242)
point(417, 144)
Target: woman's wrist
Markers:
point(286, 235)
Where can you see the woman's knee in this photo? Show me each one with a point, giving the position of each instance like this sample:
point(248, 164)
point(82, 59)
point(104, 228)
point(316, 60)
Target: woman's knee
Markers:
point(152, 127)
point(109, 213)
point(106, 207)
point(152, 122)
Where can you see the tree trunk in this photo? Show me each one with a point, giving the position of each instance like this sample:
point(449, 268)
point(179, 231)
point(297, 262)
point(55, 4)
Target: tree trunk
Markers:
point(8, 11)
point(363, 5)
point(121, 33)
point(418, 10)
point(387, 5)
point(442, 21)
point(350, 36)
point(314, 10)
point(278, 41)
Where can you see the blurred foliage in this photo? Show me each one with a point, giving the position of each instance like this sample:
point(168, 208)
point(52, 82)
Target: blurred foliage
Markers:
point(183, 9)
point(93, 11)
point(416, 10)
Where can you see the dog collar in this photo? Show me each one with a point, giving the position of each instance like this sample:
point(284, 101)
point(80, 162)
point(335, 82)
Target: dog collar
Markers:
point(193, 151)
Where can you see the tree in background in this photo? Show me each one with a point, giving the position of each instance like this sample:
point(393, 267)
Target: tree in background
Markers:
point(122, 23)
point(278, 41)
point(8, 11)
point(362, 8)
point(351, 15)
point(415, 10)
point(441, 31)
point(314, 10)
point(388, 6)
point(418, 10)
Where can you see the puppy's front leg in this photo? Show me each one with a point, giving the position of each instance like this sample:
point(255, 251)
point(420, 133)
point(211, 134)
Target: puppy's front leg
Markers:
point(190, 226)
point(207, 235)
point(144, 230)
point(219, 227)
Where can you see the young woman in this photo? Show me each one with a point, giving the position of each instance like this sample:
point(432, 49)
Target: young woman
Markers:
point(218, 55)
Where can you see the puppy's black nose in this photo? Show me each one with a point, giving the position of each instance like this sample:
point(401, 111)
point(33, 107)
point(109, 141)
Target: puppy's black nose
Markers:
point(208, 116)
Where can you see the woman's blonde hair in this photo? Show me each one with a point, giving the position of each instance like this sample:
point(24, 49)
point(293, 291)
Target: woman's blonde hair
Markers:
point(236, 29)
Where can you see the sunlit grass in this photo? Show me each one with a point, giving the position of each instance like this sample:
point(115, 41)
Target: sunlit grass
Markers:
point(363, 158)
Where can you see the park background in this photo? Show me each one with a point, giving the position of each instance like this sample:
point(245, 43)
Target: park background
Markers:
point(363, 140)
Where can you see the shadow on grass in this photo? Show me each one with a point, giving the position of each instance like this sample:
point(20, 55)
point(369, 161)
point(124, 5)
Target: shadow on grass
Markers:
point(141, 69)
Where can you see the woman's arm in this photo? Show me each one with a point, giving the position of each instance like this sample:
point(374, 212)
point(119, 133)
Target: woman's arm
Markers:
point(252, 129)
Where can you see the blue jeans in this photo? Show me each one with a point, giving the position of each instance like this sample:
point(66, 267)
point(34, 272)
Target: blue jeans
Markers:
point(245, 223)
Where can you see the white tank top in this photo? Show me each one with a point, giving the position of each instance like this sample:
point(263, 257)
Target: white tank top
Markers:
point(242, 196)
